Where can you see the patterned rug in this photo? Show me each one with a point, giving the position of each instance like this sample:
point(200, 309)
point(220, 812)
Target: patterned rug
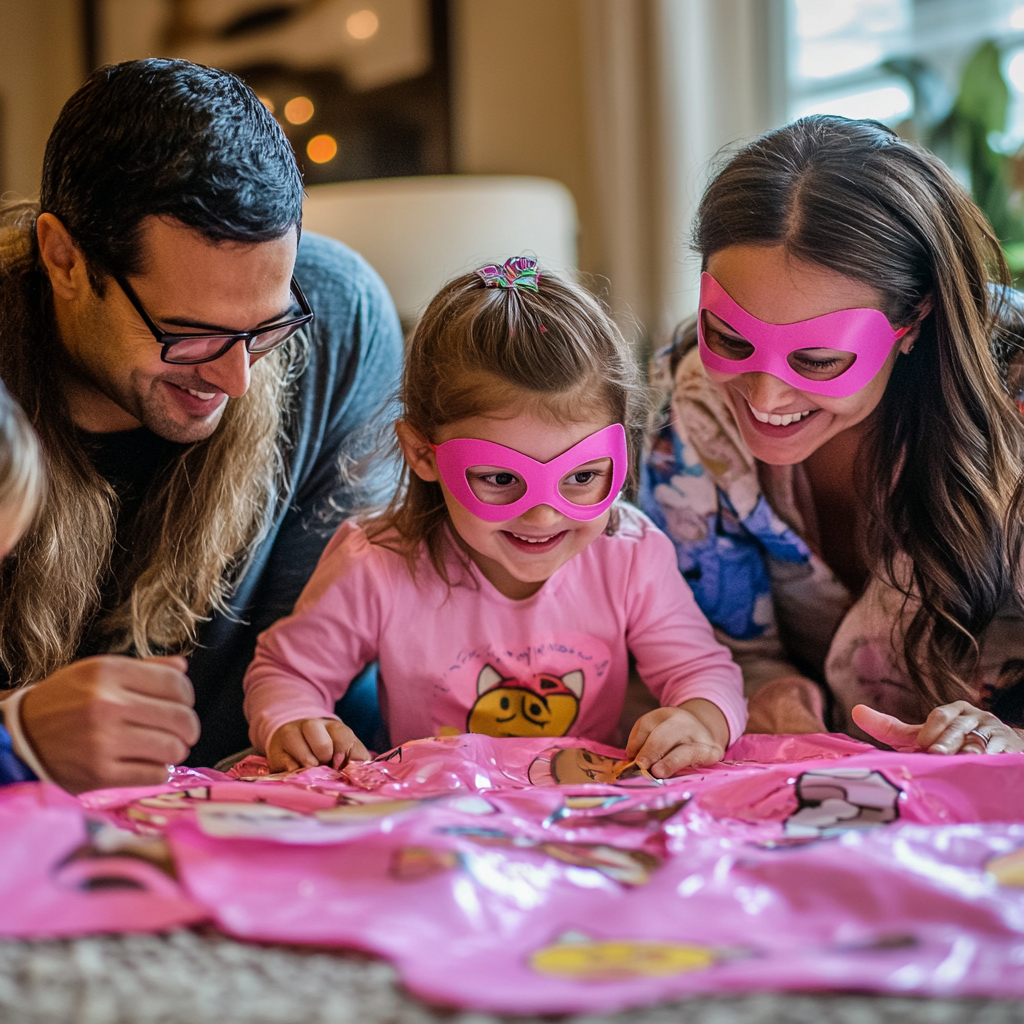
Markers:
point(203, 978)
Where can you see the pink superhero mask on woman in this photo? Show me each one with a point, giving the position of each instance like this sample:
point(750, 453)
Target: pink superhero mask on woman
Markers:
point(866, 334)
point(532, 483)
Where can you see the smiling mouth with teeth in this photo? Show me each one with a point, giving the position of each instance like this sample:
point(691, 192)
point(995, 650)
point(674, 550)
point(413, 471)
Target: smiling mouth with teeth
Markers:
point(203, 395)
point(775, 419)
point(534, 540)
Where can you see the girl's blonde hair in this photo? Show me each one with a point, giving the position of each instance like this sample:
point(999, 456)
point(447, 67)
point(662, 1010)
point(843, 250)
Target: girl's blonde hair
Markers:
point(21, 470)
point(477, 349)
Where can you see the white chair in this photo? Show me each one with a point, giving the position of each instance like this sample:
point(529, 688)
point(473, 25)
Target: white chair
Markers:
point(420, 232)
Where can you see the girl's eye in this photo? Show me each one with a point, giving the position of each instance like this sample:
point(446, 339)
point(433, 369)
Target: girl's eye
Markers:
point(582, 478)
point(503, 479)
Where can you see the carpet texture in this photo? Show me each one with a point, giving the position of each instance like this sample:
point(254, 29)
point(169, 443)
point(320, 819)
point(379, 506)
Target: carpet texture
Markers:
point(194, 978)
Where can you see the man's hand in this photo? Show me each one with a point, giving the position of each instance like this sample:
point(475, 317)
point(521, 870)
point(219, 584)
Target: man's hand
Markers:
point(666, 740)
point(957, 728)
point(111, 721)
point(312, 741)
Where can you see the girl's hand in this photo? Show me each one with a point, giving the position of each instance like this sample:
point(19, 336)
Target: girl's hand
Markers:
point(312, 741)
point(957, 728)
point(666, 740)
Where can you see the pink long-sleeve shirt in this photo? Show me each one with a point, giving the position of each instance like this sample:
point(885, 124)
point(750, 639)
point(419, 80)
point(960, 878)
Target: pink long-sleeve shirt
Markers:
point(469, 659)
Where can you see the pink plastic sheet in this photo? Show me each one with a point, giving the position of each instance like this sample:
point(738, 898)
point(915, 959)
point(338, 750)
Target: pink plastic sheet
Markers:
point(517, 877)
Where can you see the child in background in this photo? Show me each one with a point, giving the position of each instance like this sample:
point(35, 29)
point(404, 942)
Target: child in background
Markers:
point(505, 587)
point(21, 489)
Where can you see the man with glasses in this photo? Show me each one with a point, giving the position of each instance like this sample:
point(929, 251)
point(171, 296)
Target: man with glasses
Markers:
point(204, 386)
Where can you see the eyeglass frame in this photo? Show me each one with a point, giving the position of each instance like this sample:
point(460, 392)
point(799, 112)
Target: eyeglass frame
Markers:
point(168, 339)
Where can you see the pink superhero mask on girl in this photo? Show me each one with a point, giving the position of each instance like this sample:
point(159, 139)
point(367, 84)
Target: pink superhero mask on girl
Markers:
point(866, 334)
point(532, 483)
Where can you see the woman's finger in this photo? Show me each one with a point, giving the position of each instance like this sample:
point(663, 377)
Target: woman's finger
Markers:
point(952, 736)
point(959, 713)
point(886, 729)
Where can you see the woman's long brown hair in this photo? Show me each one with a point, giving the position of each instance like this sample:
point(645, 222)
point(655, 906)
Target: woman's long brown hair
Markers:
point(944, 459)
point(197, 526)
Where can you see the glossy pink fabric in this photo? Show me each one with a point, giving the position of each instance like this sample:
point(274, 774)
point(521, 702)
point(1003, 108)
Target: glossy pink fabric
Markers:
point(800, 862)
point(456, 456)
point(866, 333)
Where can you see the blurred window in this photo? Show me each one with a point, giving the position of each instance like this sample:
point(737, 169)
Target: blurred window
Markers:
point(860, 58)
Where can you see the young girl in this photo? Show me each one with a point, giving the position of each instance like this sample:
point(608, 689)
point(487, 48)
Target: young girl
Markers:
point(505, 587)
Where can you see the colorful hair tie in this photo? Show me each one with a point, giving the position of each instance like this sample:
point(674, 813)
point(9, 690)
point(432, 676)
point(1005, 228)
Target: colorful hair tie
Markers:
point(517, 272)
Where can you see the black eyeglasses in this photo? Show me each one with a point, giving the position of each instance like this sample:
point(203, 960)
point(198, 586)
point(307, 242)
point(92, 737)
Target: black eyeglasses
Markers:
point(204, 348)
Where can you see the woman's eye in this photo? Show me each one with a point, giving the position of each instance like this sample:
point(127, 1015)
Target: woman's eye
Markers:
point(582, 478)
point(737, 344)
point(822, 363)
point(818, 364)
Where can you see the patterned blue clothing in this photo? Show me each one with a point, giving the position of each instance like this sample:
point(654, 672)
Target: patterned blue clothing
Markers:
point(12, 768)
point(722, 554)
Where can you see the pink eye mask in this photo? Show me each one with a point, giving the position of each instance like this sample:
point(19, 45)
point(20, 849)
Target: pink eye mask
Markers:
point(457, 456)
point(866, 333)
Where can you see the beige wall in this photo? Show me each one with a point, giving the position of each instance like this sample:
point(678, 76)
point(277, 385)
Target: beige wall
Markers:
point(518, 97)
point(518, 91)
point(41, 64)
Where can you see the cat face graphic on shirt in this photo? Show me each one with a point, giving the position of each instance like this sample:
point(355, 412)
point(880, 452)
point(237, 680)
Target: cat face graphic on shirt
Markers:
point(543, 705)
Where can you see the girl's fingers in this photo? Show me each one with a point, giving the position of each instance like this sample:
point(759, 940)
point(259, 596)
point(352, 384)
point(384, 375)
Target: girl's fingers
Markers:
point(657, 743)
point(887, 729)
point(677, 742)
point(638, 737)
point(346, 746)
point(283, 762)
point(686, 755)
point(318, 739)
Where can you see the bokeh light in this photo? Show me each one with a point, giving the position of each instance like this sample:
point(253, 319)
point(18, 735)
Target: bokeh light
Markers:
point(362, 24)
point(1015, 71)
point(299, 109)
point(322, 148)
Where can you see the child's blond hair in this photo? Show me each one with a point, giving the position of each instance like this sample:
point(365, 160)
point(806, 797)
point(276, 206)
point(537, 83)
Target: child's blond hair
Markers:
point(555, 351)
point(21, 471)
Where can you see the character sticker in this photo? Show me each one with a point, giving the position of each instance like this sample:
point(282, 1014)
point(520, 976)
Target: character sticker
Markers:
point(837, 799)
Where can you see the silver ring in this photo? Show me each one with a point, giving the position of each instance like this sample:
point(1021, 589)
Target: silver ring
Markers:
point(985, 737)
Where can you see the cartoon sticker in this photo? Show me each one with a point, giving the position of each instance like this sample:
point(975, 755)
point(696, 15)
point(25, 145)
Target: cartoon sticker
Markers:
point(837, 799)
point(581, 958)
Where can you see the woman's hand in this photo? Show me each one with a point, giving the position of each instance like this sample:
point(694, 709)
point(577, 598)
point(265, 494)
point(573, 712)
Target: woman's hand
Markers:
point(312, 741)
point(957, 728)
point(666, 740)
point(788, 705)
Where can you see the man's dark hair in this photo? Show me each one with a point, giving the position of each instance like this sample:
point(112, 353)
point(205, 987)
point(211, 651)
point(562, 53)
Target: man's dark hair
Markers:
point(166, 138)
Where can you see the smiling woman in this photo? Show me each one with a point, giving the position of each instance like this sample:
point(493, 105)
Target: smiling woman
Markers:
point(842, 470)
